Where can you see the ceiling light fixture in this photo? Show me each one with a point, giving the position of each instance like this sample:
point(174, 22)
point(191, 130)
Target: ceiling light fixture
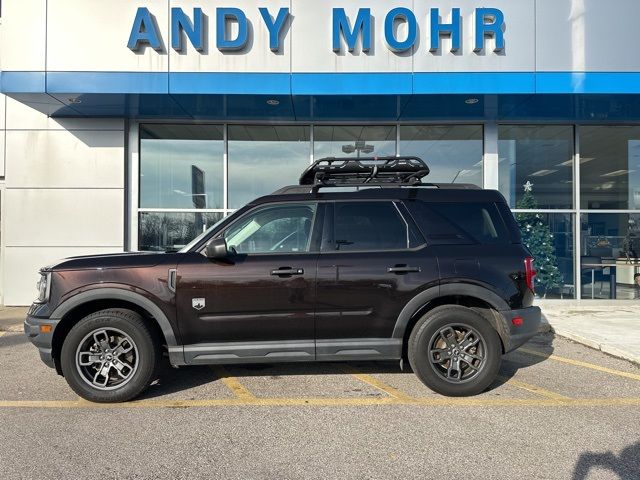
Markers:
point(617, 173)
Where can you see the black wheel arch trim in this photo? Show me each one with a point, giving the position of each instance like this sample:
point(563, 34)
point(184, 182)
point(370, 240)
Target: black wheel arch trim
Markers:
point(107, 293)
point(445, 290)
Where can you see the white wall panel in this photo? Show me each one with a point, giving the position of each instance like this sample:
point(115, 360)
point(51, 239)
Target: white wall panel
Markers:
point(519, 34)
point(257, 57)
point(22, 35)
point(2, 153)
point(311, 34)
point(92, 35)
point(64, 217)
point(588, 35)
point(60, 158)
point(22, 265)
point(22, 117)
point(3, 107)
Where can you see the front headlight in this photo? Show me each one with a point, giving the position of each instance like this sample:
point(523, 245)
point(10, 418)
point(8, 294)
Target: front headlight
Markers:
point(44, 287)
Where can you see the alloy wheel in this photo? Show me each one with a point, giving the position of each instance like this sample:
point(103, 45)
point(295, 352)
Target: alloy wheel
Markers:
point(107, 358)
point(457, 353)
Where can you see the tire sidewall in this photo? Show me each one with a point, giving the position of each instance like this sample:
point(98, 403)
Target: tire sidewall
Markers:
point(132, 325)
point(422, 334)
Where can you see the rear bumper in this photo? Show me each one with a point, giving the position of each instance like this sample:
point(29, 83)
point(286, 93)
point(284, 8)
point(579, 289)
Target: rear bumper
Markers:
point(43, 341)
point(520, 334)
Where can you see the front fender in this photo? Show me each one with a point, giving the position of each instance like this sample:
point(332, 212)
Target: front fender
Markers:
point(107, 293)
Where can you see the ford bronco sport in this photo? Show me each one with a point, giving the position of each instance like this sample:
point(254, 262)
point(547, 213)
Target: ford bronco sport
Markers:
point(361, 261)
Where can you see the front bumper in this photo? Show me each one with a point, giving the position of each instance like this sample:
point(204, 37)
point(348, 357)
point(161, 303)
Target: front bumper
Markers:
point(520, 334)
point(43, 341)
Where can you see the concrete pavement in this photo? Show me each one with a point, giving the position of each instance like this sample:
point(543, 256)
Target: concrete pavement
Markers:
point(613, 328)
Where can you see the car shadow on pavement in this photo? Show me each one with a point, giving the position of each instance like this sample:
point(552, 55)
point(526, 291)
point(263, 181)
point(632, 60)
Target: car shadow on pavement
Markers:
point(174, 380)
point(171, 380)
point(626, 465)
point(11, 339)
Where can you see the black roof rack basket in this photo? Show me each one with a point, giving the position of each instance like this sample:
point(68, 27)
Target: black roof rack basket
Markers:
point(358, 171)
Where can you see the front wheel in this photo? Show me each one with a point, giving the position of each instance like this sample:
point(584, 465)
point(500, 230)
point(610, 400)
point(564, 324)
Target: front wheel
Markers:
point(454, 351)
point(110, 356)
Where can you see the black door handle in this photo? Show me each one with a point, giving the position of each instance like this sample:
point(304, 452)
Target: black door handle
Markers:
point(287, 271)
point(400, 269)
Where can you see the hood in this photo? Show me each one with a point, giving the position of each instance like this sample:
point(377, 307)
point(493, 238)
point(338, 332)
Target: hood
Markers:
point(112, 260)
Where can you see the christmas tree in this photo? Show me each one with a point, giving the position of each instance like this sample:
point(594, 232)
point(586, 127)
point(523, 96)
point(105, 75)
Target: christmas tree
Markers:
point(539, 239)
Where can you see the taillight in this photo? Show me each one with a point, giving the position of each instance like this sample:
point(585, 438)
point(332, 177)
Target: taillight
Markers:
point(529, 272)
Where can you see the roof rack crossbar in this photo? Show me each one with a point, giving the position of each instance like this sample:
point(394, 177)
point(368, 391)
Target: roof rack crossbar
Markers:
point(334, 171)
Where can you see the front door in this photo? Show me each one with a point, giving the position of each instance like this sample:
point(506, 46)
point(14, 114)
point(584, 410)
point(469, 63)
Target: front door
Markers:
point(373, 261)
point(258, 303)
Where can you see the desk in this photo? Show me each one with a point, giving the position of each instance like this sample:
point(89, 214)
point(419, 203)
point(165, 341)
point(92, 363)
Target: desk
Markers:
point(612, 276)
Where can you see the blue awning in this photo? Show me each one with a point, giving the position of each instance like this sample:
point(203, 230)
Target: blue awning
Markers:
point(552, 96)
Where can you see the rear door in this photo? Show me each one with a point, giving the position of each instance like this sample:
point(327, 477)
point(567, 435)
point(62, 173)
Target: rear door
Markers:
point(373, 261)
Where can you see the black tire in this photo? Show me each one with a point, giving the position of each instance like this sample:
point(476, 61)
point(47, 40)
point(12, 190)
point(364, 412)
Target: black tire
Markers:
point(426, 340)
point(141, 365)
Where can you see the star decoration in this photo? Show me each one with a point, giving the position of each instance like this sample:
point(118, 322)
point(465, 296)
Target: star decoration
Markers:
point(528, 186)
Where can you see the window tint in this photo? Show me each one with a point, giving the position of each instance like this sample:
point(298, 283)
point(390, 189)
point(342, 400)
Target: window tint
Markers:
point(480, 221)
point(273, 229)
point(369, 226)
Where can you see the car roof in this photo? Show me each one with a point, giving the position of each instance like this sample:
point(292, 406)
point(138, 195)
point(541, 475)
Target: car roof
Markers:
point(428, 193)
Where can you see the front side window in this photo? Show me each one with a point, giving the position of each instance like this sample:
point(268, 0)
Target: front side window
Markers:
point(369, 226)
point(273, 229)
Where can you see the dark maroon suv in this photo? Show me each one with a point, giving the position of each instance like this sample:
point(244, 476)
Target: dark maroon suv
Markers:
point(361, 261)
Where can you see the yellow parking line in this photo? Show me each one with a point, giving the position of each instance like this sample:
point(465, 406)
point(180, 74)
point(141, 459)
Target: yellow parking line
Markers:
point(330, 402)
point(534, 389)
point(238, 389)
point(578, 363)
point(374, 382)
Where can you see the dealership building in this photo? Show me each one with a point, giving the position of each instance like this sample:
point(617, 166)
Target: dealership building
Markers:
point(129, 125)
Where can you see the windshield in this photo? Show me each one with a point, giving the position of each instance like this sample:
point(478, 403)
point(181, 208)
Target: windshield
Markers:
point(193, 242)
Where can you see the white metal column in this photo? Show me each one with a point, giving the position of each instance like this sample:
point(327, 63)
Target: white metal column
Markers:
point(133, 183)
point(490, 163)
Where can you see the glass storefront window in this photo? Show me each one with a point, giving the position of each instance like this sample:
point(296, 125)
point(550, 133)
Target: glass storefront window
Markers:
point(354, 141)
point(452, 152)
point(181, 166)
point(263, 159)
point(610, 248)
point(170, 231)
point(549, 237)
point(610, 167)
point(539, 154)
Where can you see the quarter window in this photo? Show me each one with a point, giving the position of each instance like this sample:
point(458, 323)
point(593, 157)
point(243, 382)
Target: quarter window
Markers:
point(369, 226)
point(273, 229)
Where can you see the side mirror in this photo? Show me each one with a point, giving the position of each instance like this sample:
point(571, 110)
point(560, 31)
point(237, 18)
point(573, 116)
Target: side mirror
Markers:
point(217, 248)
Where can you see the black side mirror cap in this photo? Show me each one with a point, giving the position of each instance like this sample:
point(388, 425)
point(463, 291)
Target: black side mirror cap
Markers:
point(217, 249)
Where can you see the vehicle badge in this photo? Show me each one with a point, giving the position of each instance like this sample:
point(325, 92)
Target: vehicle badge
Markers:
point(197, 303)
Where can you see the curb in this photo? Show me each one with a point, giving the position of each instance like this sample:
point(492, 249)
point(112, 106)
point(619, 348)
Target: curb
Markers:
point(602, 347)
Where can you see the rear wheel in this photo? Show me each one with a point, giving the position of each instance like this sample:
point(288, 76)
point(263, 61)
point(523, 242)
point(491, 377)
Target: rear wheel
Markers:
point(454, 351)
point(110, 356)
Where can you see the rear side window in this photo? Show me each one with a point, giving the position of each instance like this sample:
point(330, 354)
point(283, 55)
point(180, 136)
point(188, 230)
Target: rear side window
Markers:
point(460, 222)
point(362, 226)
